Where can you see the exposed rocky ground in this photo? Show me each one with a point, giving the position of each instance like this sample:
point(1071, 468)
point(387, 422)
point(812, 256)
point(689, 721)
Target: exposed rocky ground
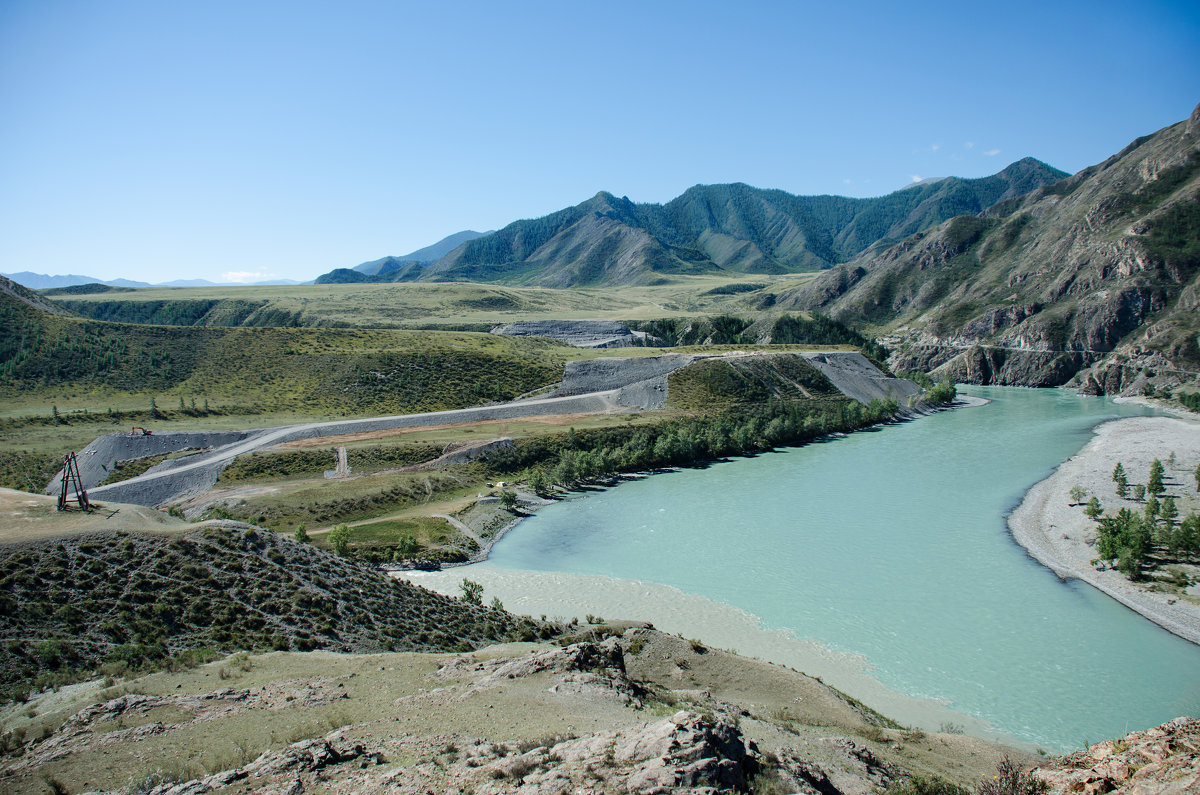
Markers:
point(100, 458)
point(642, 713)
point(1164, 760)
point(855, 377)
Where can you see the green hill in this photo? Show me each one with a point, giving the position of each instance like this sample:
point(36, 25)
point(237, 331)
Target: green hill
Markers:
point(374, 371)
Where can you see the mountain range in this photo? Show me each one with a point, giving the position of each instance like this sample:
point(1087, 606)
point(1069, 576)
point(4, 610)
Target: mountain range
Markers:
point(42, 281)
point(423, 256)
point(734, 228)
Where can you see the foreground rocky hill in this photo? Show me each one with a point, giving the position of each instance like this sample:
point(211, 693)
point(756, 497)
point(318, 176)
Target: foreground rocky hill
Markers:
point(616, 709)
point(1092, 280)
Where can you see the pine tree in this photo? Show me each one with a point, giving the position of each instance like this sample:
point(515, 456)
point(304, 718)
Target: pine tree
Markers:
point(1152, 506)
point(1122, 487)
point(472, 592)
point(1118, 472)
point(1167, 512)
point(1154, 484)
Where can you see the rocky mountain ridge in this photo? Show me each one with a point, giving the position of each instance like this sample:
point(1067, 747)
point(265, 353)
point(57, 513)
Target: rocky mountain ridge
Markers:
point(1091, 281)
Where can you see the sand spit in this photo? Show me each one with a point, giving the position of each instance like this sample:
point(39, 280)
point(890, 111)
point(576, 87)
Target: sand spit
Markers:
point(1058, 534)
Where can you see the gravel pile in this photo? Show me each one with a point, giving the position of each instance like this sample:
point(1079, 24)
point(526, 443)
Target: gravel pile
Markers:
point(855, 376)
point(98, 459)
point(581, 333)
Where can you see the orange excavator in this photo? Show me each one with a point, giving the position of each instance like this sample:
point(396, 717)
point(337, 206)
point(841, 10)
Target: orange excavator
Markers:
point(133, 431)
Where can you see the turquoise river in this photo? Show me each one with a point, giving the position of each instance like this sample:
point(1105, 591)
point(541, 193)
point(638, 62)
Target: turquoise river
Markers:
point(892, 544)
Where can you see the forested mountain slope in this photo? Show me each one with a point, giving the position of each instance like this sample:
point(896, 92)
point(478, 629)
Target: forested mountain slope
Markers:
point(1094, 279)
point(737, 228)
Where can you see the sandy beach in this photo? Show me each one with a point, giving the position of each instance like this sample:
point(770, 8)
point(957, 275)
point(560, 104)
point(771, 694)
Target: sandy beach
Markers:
point(1060, 536)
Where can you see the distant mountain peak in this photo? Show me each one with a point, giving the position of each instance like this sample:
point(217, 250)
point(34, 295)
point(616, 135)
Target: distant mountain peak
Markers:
point(430, 253)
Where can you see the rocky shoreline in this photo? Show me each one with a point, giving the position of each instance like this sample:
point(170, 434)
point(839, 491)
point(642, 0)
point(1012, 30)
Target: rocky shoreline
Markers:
point(1058, 535)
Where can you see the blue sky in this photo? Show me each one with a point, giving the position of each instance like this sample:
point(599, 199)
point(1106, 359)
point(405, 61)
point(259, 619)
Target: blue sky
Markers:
point(237, 141)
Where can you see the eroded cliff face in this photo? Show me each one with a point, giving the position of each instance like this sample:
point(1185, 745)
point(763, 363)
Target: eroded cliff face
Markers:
point(1092, 282)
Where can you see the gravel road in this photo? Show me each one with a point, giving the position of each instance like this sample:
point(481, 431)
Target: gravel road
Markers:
point(591, 387)
point(178, 478)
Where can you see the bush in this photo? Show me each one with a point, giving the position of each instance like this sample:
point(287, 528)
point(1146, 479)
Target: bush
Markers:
point(1009, 779)
point(917, 785)
point(941, 394)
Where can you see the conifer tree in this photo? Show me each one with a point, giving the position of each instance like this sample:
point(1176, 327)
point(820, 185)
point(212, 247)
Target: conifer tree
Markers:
point(1167, 512)
point(1154, 484)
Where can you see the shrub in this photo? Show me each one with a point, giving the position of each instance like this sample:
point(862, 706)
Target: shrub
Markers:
point(1010, 779)
point(941, 394)
point(918, 785)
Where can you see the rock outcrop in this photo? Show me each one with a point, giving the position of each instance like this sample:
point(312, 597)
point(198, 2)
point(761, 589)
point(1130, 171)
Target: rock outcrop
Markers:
point(1164, 760)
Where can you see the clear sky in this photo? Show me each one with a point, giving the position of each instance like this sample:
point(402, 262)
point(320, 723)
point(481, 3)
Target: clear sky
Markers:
point(238, 141)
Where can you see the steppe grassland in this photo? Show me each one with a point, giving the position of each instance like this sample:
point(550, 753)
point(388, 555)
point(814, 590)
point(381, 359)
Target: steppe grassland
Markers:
point(408, 304)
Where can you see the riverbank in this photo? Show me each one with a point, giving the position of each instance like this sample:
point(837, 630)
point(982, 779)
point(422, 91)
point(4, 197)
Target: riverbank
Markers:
point(1057, 534)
